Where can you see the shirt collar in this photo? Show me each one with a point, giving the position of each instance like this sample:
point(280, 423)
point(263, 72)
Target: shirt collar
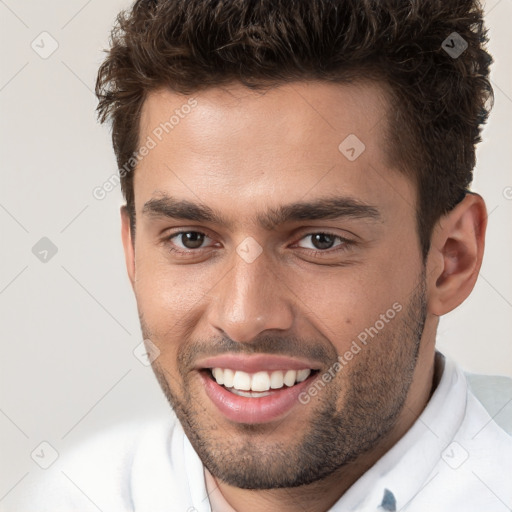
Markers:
point(406, 468)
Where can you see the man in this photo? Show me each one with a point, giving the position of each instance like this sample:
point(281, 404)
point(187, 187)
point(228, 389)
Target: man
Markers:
point(297, 219)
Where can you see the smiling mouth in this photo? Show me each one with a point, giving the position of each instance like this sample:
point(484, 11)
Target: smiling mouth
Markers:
point(258, 384)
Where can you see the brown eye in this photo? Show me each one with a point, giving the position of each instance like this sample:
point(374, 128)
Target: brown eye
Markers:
point(192, 239)
point(322, 241)
point(189, 244)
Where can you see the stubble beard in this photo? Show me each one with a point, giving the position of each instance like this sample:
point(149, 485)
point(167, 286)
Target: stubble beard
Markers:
point(351, 416)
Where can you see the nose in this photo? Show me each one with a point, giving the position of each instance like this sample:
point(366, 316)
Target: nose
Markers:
point(250, 299)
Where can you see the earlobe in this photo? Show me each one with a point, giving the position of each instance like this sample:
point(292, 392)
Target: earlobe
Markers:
point(128, 245)
point(456, 254)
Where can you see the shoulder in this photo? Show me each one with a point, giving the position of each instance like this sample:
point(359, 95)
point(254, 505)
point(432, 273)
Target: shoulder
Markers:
point(474, 460)
point(96, 473)
point(494, 392)
point(475, 466)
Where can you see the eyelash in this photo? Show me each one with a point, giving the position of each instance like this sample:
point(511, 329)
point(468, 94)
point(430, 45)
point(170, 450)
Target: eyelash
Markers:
point(344, 246)
point(181, 252)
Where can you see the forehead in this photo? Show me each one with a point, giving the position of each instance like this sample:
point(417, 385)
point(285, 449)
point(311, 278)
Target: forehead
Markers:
point(234, 147)
point(303, 109)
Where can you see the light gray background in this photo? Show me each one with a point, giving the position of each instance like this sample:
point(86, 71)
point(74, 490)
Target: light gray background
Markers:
point(69, 326)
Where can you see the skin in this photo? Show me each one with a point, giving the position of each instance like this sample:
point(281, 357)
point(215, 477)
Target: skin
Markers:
point(242, 153)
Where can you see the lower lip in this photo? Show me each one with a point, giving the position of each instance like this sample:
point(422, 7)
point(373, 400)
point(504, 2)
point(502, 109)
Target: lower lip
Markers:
point(263, 409)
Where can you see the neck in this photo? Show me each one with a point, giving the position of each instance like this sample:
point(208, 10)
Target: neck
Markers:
point(316, 497)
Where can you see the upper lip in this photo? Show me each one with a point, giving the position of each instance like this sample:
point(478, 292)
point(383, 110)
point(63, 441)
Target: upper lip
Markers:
point(256, 363)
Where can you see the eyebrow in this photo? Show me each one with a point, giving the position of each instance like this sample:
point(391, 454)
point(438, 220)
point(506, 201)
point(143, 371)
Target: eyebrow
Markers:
point(328, 208)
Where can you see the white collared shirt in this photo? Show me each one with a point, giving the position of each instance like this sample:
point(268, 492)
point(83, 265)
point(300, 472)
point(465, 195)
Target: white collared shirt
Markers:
point(455, 457)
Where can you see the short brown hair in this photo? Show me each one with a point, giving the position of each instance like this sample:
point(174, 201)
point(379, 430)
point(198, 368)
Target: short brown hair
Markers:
point(439, 100)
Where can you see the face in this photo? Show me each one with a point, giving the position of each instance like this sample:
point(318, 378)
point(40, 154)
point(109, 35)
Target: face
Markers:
point(277, 269)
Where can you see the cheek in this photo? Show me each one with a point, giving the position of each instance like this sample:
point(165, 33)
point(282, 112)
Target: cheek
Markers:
point(345, 303)
point(171, 301)
point(353, 304)
point(166, 293)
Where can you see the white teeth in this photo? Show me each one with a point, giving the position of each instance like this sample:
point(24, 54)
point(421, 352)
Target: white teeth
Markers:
point(242, 381)
point(276, 380)
point(249, 394)
point(302, 375)
point(289, 377)
point(219, 375)
point(229, 376)
point(259, 382)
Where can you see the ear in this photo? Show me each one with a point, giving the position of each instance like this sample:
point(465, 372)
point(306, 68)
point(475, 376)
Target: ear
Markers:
point(455, 256)
point(128, 244)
